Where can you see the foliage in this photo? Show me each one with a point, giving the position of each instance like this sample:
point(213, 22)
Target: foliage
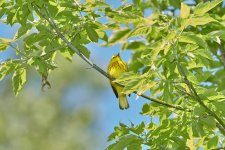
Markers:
point(177, 54)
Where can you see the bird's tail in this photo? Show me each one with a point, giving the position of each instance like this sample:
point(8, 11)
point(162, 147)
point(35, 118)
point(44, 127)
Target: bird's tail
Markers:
point(123, 103)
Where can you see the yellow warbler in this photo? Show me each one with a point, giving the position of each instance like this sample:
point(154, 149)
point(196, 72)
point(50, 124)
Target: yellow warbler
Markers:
point(115, 68)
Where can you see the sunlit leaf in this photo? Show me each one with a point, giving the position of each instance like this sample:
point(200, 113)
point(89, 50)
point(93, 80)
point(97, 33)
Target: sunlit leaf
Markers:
point(195, 21)
point(130, 141)
point(3, 47)
point(184, 11)
point(202, 8)
point(213, 142)
point(18, 79)
point(119, 36)
point(92, 34)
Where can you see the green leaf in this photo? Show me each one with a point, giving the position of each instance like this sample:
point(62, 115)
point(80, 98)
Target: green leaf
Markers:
point(203, 8)
point(102, 35)
point(197, 129)
point(67, 53)
point(141, 30)
point(19, 2)
point(119, 131)
point(7, 68)
point(156, 47)
point(11, 17)
point(2, 12)
point(92, 34)
point(193, 39)
point(133, 85)
point(209, 122)
point(18, 79)
point(2, 2)
point(131, 142)
point(53, 9)
point(4, 40)
point(184, 11)
point(3, 47)
point(138, 129)
point(23, 14)
point(219, 106)
point(217, 33)
point(204, 53)
point(125, 17)
point(198, 111)
point(145, 109)
point(146, 86)
point(213, 142)
point(83, 50)
point(135, 45)
point(127, 76)
point(119, 36)
point(41, 65)
point(203, 20)
point(23, 30)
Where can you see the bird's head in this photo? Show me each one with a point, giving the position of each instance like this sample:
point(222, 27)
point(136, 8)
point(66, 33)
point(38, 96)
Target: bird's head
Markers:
point(115, 57)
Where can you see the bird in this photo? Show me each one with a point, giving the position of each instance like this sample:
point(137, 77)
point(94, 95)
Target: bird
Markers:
point(117, 67)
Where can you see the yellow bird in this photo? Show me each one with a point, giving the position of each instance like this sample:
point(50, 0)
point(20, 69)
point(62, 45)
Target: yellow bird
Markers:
point(115, 68)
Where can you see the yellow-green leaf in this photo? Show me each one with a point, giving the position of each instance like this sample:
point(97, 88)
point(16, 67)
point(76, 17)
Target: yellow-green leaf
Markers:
point(92, 34)
point(18, 79)
point(7, 68)
point(184, 11)
point(3, 47)
point(200, 20)
point(203, 8)
point(4, 40)
point(142, 30)
point(119, 36)
point(193, 39)
point(2, 2)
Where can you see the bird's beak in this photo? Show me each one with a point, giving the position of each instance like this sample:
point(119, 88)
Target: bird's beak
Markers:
point(118, 54)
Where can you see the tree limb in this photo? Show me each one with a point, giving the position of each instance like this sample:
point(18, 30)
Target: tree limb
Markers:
point(51, 21)
point(198, 99)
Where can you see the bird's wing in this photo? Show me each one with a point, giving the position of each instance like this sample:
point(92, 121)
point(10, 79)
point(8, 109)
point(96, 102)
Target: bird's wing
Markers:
point(114, 90)
point(127, 69)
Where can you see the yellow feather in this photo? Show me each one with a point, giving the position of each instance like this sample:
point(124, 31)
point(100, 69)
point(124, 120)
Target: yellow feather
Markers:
point(115, 68)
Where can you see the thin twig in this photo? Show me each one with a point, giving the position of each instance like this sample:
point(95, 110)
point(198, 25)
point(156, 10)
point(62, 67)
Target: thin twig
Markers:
point(50, 20)
point(163, 103)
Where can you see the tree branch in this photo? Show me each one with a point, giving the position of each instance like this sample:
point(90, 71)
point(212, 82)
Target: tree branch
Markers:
point(163, 103)
point(222, 51)
point(51, 21)
point(192, 89)
point(222, 130)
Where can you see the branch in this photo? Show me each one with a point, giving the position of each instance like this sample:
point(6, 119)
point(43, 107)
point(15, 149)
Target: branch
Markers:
point(222, 130)
point(163, 103)
point(50, 20)
point(222, 51)
point(192, 89)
